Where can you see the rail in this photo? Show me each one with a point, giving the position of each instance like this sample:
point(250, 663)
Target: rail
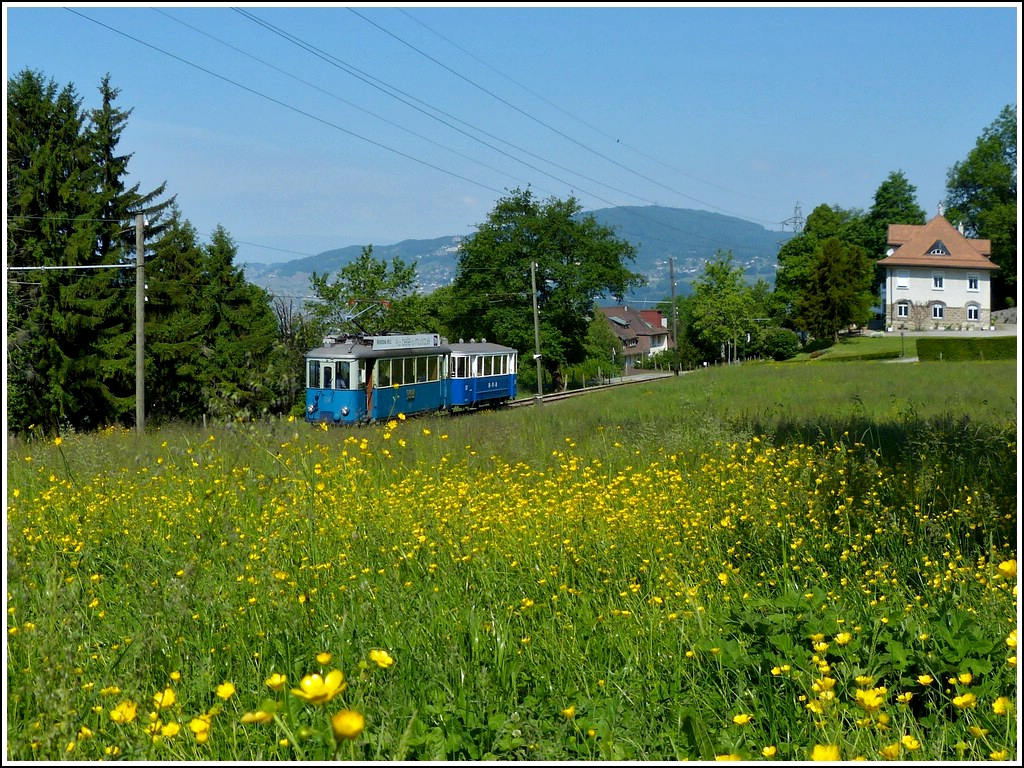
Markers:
point(617, 382)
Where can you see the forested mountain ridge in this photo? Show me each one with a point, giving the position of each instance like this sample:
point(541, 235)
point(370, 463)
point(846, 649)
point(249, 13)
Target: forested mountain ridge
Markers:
point(689, 237)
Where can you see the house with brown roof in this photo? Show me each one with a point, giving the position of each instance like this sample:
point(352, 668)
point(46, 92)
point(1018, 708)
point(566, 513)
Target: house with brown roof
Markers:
point(643, 333)
point(936, 278)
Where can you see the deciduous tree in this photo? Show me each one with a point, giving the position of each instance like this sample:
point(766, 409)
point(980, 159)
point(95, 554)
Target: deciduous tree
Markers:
point(572, 259)
point(981, 193)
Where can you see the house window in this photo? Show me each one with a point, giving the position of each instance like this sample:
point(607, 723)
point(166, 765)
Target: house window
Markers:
point(972, 282)
point(938, 311)
point(903, 278)
point(973, 312)
point(903, 309)
point(937, 280)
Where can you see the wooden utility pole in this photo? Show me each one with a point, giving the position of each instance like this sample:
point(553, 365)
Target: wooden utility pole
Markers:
point(140, 325)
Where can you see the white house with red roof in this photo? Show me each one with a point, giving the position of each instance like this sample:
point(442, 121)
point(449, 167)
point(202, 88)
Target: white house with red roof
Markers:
point(936, 279)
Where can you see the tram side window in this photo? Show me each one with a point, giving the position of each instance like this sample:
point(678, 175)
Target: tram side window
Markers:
point(409, 376)
point(460, 367)
point(421, 369)
point(432, 369)
point(384, 373)
point(343, 374)
point(313, 374)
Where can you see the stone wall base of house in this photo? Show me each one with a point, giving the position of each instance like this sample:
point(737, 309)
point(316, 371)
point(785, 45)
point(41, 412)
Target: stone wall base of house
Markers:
point(955, 319)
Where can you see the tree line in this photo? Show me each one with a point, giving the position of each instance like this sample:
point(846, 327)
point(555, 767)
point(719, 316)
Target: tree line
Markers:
point(221, 348)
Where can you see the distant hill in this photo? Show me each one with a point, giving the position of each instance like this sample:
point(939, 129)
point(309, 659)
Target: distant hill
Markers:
point(689, 237)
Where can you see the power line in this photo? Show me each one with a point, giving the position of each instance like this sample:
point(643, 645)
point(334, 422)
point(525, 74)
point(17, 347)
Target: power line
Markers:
point(286, 105)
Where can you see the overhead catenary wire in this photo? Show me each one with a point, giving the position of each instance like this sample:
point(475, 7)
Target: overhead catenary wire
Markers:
point(401, 153)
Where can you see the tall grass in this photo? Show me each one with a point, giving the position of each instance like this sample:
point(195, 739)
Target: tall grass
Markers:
point(759, 561)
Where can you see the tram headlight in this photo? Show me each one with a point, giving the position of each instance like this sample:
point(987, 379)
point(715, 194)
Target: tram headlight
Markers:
point(310, 408)
point(344, 410)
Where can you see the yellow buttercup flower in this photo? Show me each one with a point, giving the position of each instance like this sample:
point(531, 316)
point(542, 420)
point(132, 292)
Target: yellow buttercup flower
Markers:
point(226, 690)
point(825, 752)
point(570, 712)
point(164, 699)
point(347, 724)
point(170, 729)
point(276, 681)
point(967, 701)
point(200, 727)
point(891, 751)
point(381, 658)
point(769, 751)
point(742, 719)
point(925, 679)
point(1001, 705)
point(871, 699)
point(315, 689)
point(1008, 568)
point(323, 658)
point(260, 717)
point(124, 712)
point(910, 742)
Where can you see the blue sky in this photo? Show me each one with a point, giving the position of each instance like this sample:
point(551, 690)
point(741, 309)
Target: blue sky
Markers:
point(305, 128)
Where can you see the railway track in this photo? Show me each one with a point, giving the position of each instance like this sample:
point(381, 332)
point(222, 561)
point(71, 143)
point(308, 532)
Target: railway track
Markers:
point(621, 382)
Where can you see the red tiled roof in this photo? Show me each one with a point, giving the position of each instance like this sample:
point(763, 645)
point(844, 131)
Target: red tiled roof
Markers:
point(914, 243)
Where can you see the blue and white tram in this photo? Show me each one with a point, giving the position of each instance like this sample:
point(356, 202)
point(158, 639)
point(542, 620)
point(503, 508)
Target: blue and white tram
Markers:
point(356, 379)
point(372, 378)
point(481, 373)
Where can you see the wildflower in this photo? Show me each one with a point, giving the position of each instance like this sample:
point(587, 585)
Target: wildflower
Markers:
point(347, 724)
point(965, 678)
point(742, 719)
point(1011, 639)
point(825, 752)
point(315, 689)
point(730, 758)
point(175, 676)
point(871, 699)
point(977, 732)
point(276, 681)
point(967, 701)
point(1008, 568)
point(864, 680)
point(891, 751)
point(910, 742)
point(124, 712)
point(200, 727)
point(323, 658)
point(164, 699)
point(724, 578)
point(904, 698)
point(925, 679)
point(381, 658)
point(570, 712)
point(260, 717)
point(170, 729)
point(843, 638)
point(999, 754)
point(769, 751)
point(226, 690)
point(1001, 705)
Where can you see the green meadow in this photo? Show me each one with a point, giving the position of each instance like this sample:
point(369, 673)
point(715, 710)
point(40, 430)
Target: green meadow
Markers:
point(777, 562)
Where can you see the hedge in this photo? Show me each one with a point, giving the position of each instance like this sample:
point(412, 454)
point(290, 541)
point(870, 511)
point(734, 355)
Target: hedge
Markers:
point(970, 348)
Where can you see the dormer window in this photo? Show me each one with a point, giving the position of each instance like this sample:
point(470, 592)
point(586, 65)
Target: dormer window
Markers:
point(939, 249)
